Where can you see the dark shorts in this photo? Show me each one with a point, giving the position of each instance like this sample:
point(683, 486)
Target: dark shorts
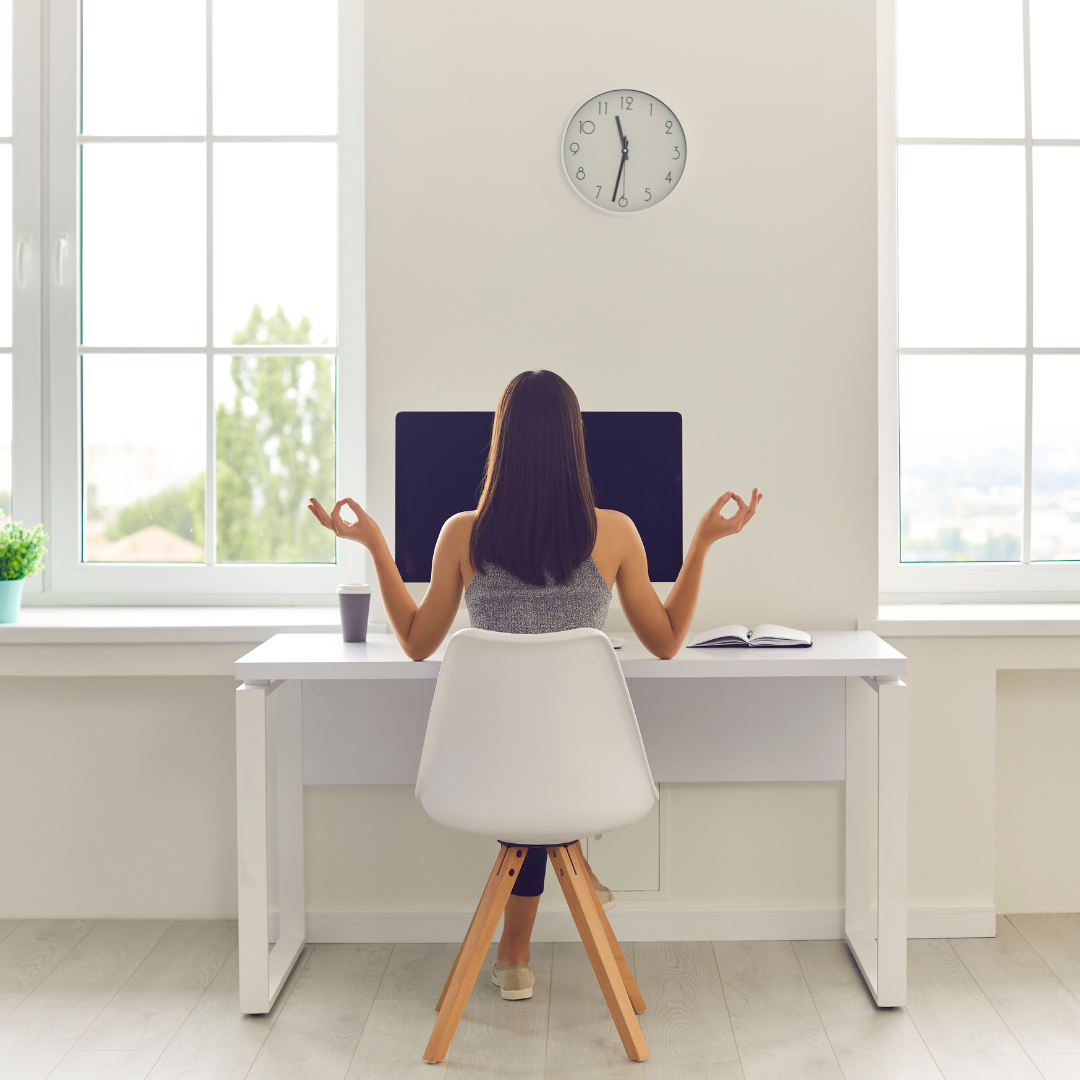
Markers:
point(530, 878)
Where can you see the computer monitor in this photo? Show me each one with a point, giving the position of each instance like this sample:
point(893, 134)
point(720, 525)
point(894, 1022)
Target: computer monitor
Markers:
point(635, 461)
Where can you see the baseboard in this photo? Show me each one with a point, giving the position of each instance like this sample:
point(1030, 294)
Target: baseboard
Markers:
point(643, 922)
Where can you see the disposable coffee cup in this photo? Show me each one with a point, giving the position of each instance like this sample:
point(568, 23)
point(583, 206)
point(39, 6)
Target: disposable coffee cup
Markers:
point(354, 601)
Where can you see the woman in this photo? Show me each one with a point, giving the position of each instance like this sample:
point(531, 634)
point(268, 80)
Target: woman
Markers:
point(537, 556)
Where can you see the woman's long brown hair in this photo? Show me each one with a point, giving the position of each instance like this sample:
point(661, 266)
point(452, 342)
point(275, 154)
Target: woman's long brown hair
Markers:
point(536, 511)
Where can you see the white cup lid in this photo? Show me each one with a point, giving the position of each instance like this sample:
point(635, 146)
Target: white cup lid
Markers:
point(348, 589)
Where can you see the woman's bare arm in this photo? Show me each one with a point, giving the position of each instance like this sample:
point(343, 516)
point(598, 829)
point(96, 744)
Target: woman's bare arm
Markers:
point(662, 627)
point(419, 628)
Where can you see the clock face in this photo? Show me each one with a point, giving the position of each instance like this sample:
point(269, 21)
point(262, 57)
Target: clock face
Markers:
point(624, 151)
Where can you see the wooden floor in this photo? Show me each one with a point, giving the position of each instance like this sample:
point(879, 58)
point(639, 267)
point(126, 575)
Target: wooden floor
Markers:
point(128, 1000)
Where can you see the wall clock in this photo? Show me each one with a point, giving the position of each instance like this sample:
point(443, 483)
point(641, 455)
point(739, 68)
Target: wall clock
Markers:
point(624, 151)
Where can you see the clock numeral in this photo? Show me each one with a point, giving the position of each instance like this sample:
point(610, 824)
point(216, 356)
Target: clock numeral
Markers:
point(650, 108)
point(667, 124)
point(623, 201)
point(668, 178)
point(677, 154)
point(580, 173)
point(601, 108)
point(598, 191)
point(627, 103)
point(574, 147)
point(586, 127)
point(648, 195)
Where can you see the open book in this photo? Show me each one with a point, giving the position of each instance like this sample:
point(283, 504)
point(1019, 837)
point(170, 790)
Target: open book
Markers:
point(738, 636)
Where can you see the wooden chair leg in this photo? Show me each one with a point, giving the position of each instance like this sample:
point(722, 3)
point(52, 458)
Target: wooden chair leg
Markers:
point(577, 888)
point(473, 951)
point(485, 899)
point(636, 1000)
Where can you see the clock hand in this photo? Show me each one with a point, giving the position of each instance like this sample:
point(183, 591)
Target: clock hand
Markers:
point(625, 154)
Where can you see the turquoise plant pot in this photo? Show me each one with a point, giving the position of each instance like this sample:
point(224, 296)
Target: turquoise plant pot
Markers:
point(10, 598)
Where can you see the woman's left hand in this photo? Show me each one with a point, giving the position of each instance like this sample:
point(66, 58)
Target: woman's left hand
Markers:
point(714, 526)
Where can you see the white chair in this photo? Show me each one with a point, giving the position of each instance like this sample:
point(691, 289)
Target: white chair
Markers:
point(547, 717)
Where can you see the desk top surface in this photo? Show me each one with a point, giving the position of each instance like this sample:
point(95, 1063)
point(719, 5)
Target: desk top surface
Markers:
point(326, 656)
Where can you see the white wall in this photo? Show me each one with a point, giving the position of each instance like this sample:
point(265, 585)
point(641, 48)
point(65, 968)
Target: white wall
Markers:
point(746, 301)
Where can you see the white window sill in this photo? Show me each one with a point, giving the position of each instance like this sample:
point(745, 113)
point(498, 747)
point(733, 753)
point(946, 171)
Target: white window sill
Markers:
point(164, 625)
point(975, 620)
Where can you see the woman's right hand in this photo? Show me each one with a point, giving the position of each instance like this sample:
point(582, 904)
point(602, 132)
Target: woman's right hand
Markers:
point(363, 530)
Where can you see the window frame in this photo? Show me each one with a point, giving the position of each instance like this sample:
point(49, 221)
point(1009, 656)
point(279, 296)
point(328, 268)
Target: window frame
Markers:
point(947, 582)
point(71, 580)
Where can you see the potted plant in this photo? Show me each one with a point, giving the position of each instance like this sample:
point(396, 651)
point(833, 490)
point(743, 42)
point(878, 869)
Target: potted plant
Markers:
point(22, 554)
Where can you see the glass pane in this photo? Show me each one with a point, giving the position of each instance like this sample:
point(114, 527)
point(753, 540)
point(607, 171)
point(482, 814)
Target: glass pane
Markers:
point(1055, 462)
point(5, 67)
point(275, 245)
point(144, 67)
point(6, 245)
point(144, 244)
point(275, 67)
point(962, 249)
point(144, 458)
point(1057, 245)
point(5, 436)
point(960, 68)
point(961, 458)
point(275, 449)
point(1055, 73)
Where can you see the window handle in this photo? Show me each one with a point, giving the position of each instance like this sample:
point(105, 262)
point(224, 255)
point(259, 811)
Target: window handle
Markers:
point(60, 253)
point(23, 251)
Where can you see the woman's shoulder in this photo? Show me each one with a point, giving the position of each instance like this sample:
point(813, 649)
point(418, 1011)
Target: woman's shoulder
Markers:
point(460, 525)
point(613, 523)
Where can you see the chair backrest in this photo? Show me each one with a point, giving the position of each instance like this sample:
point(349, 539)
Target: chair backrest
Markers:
point(533, 739)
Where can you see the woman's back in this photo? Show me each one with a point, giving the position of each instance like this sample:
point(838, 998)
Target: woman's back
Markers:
point(499, 600)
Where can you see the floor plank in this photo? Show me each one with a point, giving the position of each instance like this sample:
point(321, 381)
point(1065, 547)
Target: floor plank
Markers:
point(392, 1045)
point(869, 1043)
point(318, 1028)
point(217, 1042)
point(150, 1007)
point(686, 1024)
point(583, 1042)
point(1056, 938)
point(1058, 1066)
point(105, 1065)
point(31, 951)
point(8, 926)
point(776, 1024)
point(31, 1049)
point(1038, 1008)
point(963, 1031)
point(84, 982)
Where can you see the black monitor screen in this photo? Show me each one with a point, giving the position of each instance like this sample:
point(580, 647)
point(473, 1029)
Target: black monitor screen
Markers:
point(635, 460)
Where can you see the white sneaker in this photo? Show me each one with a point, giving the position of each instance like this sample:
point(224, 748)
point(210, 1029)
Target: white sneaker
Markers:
point(514, 983)
point(607, 901)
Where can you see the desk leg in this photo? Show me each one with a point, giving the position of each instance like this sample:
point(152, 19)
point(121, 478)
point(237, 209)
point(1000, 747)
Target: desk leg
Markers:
point(263, 971)
point(878, 945)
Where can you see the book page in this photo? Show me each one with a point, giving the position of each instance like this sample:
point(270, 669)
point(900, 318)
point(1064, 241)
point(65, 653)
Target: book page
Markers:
point(769, 633)
point(732, 634)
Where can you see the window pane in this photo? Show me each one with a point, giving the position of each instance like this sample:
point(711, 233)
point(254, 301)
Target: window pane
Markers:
point(961, 458)
point(1057, 245)
point(5, 436)
point(275, 222)
point(960, 68)
point(144, 455)
point(6, 245)
point(5, 67)
point(275, 423)
point(1055, 462)
point(144, 67)
point(144, 244)
point(275, 67)
point(1055, 73)
point(961, 246)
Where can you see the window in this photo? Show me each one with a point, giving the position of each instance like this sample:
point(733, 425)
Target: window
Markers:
point(980, 319)
point(198, 359)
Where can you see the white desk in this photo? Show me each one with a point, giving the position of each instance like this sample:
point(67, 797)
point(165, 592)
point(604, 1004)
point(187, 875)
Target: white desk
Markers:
point(716, 714)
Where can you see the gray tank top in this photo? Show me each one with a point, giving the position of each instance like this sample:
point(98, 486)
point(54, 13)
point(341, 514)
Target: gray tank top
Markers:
point(499, 600)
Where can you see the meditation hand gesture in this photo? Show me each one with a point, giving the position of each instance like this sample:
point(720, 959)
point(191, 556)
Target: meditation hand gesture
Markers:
point(363, 530)
point(714, 526)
